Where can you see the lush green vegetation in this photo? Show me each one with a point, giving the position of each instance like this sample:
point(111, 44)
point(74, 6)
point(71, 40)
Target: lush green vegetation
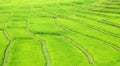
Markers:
point(59, 33)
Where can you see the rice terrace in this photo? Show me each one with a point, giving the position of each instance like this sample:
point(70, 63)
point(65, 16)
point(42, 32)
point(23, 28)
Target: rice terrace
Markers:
point(59, 32)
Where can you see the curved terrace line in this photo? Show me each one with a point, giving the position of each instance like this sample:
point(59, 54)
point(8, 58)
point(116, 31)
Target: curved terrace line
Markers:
point(88, 55)
point(105, 42)
point(43, 44)
point(92, 27)
point(10, 44)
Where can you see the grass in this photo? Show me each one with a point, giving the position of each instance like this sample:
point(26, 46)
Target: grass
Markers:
point(69, 53)
point(94, 33)
point(26, 54)
point(59, 33)
point(3, 45)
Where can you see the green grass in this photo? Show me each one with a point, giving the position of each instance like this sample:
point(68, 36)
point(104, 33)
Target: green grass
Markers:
point(69, 53)
point(26, 52)
point(3, 45)
point(59, 33)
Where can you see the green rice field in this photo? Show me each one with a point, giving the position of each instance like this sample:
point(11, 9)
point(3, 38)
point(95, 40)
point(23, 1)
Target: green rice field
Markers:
point(59, 32)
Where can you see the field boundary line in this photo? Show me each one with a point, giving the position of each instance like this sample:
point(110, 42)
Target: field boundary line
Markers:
point(88, 55)
point(43, 45)
point(10, 44)
point(114, 46)
point(89, 26)
point(100, 29)
point(105, 42)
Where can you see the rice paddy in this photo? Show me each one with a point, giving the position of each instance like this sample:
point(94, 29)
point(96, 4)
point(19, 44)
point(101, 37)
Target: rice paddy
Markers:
point(59, 33)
